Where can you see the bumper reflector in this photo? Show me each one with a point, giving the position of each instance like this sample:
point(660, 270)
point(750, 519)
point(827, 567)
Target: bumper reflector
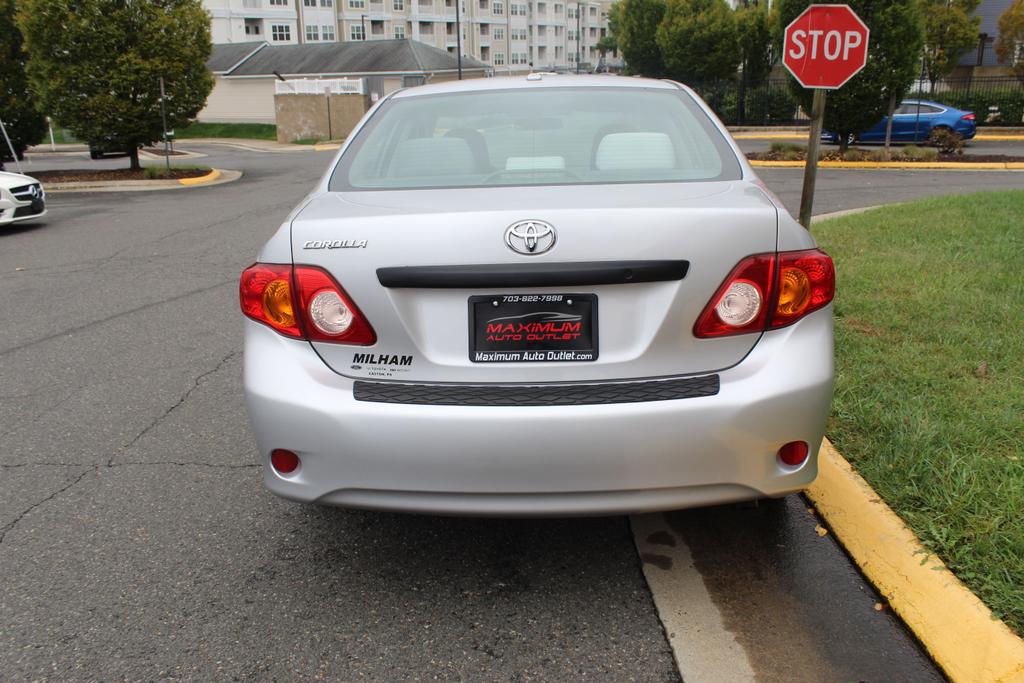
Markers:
point(284, 461)
point(794, 453)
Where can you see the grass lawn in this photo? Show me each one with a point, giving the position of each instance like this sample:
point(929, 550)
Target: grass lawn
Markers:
point(929, 402)
point(253, 131)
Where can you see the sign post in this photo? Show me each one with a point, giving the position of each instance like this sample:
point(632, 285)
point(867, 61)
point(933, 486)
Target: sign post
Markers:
point(824, 47)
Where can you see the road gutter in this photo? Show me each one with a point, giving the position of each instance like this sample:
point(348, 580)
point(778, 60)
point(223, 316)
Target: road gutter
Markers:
point(955, 627)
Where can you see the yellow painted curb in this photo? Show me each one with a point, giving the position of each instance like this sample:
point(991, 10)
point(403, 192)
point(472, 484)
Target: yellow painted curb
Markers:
point(999, 137)
point(956, 628)
point(325, 148)
point(903, 165)
point(769, 136)
point(201, 180)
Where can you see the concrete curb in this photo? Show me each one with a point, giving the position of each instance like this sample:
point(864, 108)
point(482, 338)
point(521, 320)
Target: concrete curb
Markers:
point(900, 165)
point(214, 177)
point(957, 629)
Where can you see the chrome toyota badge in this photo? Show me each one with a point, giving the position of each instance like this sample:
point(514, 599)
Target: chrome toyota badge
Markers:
point(530, 237)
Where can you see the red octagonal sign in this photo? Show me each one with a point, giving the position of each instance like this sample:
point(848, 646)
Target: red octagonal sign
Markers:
point(825, 46)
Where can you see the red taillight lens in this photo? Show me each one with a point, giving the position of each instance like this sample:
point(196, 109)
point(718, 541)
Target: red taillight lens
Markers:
point(784, 288)
point(266, 296)
point(303, 302)
point(968, 117)
point(741, 304)
point(806, 282)
point(327, 312)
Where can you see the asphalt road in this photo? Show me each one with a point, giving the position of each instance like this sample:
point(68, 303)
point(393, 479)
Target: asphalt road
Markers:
point(137, 542)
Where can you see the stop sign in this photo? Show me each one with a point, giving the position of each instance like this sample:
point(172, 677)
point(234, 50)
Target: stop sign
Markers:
point(825, 46)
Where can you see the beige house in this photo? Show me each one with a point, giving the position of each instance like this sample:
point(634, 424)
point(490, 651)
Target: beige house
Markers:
point(245, 73)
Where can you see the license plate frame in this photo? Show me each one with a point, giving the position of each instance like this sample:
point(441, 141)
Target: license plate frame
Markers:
point(552, 311)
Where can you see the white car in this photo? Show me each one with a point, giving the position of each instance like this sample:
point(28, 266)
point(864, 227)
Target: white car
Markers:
point(22, 198)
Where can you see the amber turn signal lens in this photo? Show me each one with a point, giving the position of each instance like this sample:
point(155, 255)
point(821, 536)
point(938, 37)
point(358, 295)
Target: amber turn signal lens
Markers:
point(277, 303)
point(794, 292)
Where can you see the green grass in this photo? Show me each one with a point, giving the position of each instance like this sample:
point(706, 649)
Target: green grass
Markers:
point(252, 131)
point(307, 141)
point(929, 400)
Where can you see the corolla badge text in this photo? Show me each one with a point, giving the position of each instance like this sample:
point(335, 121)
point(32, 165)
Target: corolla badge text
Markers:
point(334, 244)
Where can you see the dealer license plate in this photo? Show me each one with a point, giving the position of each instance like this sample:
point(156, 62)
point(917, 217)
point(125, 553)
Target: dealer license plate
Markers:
point(530, 328)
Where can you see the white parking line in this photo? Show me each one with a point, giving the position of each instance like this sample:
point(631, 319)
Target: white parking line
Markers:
point(703, 648)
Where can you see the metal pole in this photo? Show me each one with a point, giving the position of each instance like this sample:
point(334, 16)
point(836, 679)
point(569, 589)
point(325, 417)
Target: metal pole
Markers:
point(578, 50)
point(49, 124)
point(458, 36)
point(14, 156)
point(163, 115)
point(811, 165)
point(362, 22)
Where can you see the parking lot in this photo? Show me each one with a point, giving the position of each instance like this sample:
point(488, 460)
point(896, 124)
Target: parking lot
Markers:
point(137, 541)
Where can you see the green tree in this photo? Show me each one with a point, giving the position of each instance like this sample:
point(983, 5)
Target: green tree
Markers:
point(753, 27)
point(25, 125)
point(609, 42)
point(893, 51)
point(96, 65)
point(638, 22)
point(698, 40)
point(1010, 46)
point(949, 31)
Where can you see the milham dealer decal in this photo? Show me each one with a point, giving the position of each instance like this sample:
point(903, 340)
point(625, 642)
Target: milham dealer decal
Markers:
point(382, 364)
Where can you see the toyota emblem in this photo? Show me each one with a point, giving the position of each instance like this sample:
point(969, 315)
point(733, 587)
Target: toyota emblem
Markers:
point(530, 237)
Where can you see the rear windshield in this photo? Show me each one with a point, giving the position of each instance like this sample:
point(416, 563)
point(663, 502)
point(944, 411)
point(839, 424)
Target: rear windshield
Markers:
point(543, 136)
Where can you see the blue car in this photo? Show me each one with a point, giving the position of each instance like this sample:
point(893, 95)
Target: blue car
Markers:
point(914, 121)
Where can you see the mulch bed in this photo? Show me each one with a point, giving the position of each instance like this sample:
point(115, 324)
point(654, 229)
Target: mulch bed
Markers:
point(835, 156)
point(81, 176)
point(159, 151)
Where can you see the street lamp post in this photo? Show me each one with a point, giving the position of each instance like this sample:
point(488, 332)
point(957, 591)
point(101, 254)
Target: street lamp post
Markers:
point(579, 50)
point(362, 22)
point(458, 37)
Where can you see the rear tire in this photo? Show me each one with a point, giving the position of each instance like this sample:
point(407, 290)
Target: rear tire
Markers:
point(95, 155)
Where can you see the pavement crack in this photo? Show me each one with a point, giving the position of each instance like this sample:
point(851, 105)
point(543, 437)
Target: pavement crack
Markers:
point(115, 316)
point(26, 511)
point(181, 401)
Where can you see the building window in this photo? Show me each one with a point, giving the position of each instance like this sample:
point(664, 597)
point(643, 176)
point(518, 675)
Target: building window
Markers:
point(499, 33)
point(355, 32)
point(278, 3)
point(327, 3)
point(309, 3)
point(399, 33)
point(357, 4)
point(312, 32)
point(328, 33)
point(252, 28)
point(398, 5)
point(497, 8)
point(499, 58)
point(558, 8)
point(593, 11)
point(280, 32)
point(426, 28)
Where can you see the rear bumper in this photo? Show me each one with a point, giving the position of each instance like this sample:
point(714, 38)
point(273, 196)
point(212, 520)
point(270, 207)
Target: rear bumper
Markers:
point(542, 460)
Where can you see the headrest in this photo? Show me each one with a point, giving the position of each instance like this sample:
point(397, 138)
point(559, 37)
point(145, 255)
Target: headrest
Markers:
point(634, 151)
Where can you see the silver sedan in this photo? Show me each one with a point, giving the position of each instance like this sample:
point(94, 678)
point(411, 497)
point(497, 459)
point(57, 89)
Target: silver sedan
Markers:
point(541, 295)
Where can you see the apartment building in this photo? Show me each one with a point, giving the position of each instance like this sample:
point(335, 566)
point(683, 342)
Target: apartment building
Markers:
point(509, 35)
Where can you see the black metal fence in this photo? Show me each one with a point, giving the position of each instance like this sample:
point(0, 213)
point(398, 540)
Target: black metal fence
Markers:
point(996, 101)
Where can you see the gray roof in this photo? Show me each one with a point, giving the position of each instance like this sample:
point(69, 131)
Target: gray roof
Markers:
point(356, 57)
point(227, 55)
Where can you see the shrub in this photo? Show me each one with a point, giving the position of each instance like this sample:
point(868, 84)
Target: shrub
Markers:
point(946, 141)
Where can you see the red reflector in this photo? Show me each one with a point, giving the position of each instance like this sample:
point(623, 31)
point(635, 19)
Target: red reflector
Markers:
point(794, 453)
point(968, 117)
point(284, 461)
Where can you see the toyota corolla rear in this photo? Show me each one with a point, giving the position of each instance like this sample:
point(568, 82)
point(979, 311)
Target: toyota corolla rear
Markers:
point(556, 295)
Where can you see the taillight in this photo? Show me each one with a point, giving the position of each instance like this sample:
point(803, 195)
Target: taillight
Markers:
point(768, 291)
point(303, 302)
point(967, 117)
